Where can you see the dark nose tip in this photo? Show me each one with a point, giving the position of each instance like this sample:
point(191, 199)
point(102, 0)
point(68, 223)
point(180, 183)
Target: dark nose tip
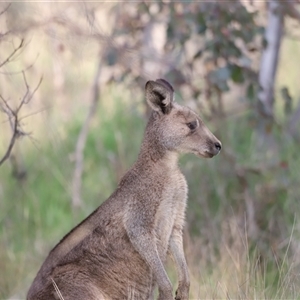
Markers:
point(218, 146)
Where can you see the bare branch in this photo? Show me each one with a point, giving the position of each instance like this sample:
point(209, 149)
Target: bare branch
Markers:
point(24, 70)
point(14, 118)
point(9, 111)
point(269, 59)
point(81, 141)
point(8, 59)
point(5, 9)
point(5, 109)
point(46, 108)
point(28, 96)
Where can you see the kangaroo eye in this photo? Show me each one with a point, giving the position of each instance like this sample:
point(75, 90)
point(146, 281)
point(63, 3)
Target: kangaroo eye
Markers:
point(192, 125)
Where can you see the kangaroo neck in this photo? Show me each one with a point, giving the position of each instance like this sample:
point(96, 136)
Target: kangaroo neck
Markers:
point(153, 154)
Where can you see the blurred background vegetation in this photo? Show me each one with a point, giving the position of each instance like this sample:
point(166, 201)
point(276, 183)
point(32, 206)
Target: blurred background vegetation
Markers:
point(72, 115)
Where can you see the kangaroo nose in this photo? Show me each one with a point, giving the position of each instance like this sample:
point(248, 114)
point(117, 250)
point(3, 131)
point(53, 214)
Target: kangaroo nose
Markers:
point(218, 146)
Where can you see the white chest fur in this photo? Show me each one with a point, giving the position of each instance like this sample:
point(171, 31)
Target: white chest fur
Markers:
point(171, 212)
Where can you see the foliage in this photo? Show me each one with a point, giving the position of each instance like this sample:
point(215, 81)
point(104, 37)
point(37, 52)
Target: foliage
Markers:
point(243, 205)
point(42, 212)
point(44, 203)
point(211, 39)
point(218, 41)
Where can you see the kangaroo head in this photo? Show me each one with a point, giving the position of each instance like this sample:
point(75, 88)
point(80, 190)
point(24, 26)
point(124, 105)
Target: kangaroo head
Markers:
point(175, 127)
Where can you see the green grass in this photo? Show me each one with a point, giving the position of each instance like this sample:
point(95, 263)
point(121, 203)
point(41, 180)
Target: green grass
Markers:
point(36, 211)
point(224, 261)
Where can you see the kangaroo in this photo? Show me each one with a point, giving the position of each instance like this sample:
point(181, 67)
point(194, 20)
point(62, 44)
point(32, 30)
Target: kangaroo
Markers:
point(118, 252)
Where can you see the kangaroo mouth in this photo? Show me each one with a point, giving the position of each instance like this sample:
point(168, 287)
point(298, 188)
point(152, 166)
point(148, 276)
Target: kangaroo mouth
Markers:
point(209, 154)
point(205, 154)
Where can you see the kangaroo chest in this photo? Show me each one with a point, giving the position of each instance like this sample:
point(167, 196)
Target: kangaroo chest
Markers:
point(171, 211)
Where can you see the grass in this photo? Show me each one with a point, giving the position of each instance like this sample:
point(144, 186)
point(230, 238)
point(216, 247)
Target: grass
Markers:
point(225, 261)
point(36, 211)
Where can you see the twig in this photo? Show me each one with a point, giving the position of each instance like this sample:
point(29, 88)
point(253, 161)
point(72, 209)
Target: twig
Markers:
point(5, 9)
point(14, 118)
point(60, 296)
point(46, 108)
point(24, 70)
point(81, 141)
point(7, 60)
point(12, 141)
point(30, 95)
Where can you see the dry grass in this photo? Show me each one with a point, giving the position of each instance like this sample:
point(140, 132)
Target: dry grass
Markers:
point(35, 213)
point(233, 271)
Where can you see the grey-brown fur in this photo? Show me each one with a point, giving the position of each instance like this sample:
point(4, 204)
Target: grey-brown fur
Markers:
point(118, 252)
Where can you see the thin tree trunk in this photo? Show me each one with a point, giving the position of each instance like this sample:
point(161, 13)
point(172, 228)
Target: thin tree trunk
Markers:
point(81, 141)
point(267, 75)
point(266, 145)
point(269, 60)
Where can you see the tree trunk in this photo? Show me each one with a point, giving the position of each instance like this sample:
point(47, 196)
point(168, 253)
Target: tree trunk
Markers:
point(266, 145)
point(269, 60)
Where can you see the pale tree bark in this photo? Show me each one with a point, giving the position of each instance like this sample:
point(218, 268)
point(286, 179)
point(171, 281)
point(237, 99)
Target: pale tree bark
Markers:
point(269, 60)
point(81, 141)
point(266, 145)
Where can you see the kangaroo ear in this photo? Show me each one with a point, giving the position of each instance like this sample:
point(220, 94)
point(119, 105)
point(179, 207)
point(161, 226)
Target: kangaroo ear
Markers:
point(160, 95)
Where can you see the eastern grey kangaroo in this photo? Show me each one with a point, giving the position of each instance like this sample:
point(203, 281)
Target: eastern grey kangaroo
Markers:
point(118, 252)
